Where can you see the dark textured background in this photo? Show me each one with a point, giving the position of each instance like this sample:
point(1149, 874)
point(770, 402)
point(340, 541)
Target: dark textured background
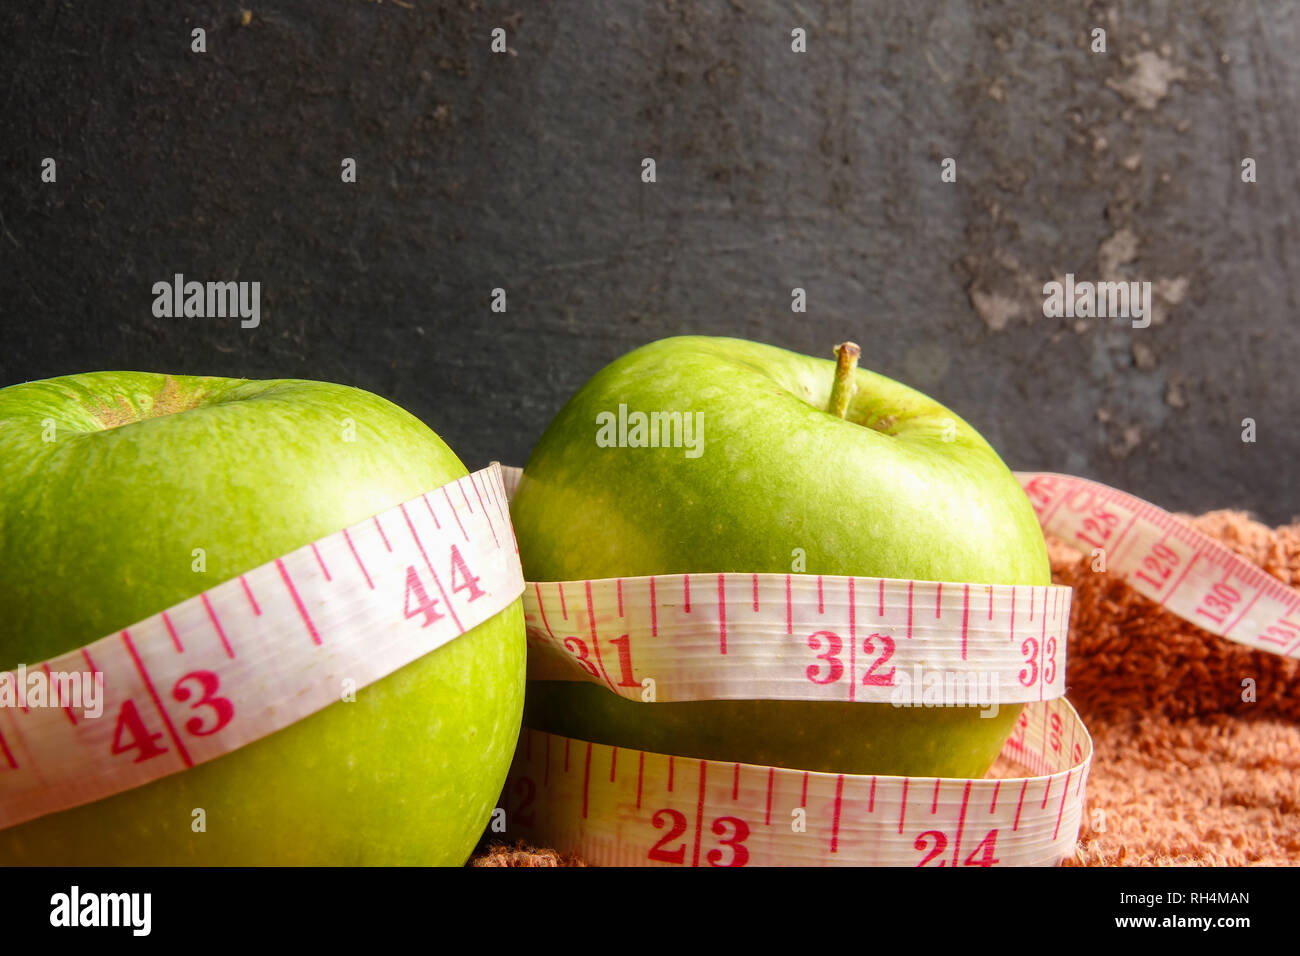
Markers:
point(775, 170)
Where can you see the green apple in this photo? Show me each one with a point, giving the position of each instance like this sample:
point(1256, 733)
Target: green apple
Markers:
point(873, 480)
point(108, 481)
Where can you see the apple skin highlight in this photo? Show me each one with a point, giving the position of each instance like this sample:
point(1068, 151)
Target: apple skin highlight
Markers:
point(97, 531)
point(899, 487)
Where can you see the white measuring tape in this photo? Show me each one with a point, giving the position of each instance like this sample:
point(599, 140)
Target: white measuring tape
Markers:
point(263, 650)
point(1170, 562)
point(797, 637)
point(758, 636)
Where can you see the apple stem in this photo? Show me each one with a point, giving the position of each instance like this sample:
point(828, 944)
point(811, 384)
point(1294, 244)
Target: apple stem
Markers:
point(846, 362)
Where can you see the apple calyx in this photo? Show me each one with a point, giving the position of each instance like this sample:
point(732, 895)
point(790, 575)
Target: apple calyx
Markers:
point(846, 363)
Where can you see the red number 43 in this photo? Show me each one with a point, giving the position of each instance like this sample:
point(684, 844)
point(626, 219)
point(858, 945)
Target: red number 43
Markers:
point(132, 734)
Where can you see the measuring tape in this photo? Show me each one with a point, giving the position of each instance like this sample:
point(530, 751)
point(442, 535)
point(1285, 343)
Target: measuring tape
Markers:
point(1168, 561)
point(797, 637)
point(263, 650)
point(766, 636)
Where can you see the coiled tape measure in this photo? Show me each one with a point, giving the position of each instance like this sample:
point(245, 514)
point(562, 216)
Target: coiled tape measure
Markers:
point(269, 647)
point(733, 636)
point(263, 650)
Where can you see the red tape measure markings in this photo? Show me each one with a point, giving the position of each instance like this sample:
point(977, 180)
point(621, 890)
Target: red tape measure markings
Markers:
point(219, 673)
point(1169, 561)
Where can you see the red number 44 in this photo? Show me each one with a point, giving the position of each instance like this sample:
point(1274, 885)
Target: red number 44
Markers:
point(462, 579)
